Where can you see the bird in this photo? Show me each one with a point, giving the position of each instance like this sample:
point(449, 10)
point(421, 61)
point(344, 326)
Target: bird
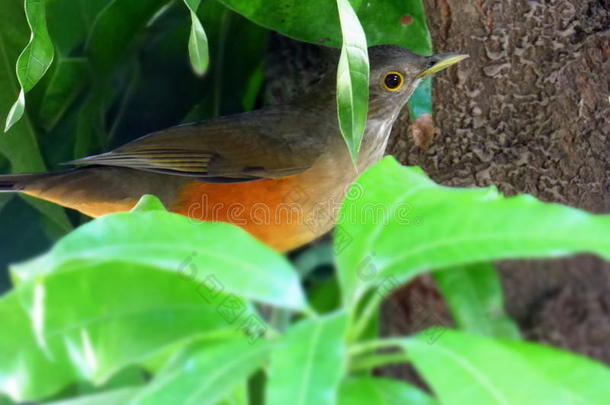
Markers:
point(279, 172)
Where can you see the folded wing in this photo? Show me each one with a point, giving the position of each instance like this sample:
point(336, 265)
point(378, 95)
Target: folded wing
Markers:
point(245, 147)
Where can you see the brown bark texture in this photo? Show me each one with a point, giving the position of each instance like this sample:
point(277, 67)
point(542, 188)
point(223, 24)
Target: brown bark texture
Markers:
point(529, 112)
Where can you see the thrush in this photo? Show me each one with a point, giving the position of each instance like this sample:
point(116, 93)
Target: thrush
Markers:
point(280, 172)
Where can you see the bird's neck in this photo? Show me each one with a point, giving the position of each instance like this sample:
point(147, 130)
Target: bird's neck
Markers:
point(382, 114)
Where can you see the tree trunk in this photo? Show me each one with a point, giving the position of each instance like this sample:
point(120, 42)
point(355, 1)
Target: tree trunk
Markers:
point(530, 113)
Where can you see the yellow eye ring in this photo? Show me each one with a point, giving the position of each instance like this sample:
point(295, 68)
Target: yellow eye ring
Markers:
point(393, 81)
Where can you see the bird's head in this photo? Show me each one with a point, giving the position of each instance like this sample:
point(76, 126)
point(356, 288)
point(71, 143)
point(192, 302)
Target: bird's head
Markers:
point(395, 73)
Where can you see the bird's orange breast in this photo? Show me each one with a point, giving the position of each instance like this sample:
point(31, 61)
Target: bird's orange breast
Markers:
point(273, 210)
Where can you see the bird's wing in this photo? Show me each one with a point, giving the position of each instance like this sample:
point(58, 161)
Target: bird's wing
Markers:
point(250, 146)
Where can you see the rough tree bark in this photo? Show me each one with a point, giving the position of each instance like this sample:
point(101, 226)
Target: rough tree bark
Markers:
point(530, 113)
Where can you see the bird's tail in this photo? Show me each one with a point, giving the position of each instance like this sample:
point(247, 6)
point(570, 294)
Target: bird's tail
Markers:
point(10, 183)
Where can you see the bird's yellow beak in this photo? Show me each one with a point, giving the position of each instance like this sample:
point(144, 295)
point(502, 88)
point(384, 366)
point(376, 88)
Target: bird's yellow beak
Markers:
point(436, 63)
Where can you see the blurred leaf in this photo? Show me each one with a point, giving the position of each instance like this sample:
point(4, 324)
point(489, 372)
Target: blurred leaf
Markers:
point(115, 29)
point(149, 203)
point(253, 89)
point(163, 59)
point(70, 22)
point(237, 49)
point(470, 369)
point(5, 401)
point(175, 243)
point(90, 127)
point(68, 80)
point(115, 397)
point(403, 224)
point(238, 396)
point(5, 198)
point(20, 145)
point(384, 21)
point(23, 235)
point(88, 321)
point(352, 79)
point(312, 257)
point(324, 295)
point(35, 58)
point(381, 391)
point(198, 42)
point(309, 362)
point(474, 295)
point(129, 377)
point(205, 373)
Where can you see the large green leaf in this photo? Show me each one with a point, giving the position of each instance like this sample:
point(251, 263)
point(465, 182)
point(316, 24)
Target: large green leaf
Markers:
point(198, 41)
point(86, 322)
point(384, 21)
point(469, 369)
point(66, 83)
point(115, 397)
point(204, 251)
point(205, 373)
point(19, 242)
point(115, 30)
point(352, 79)
point(474, 295)
point(35, 58)
point(237, 49)
point(70, 22)
point(308, 363)
point(19, 144)
point(403, 223)
point(381, 391)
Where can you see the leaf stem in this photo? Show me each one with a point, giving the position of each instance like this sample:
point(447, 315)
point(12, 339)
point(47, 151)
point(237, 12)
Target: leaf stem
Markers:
point(363, 320)
point(371, 345)
point(378, 360)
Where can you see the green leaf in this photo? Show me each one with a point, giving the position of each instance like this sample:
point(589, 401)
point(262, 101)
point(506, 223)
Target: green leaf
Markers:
point(238, 48)
point(149, 203)
point(16, 111)
point(205, 373)
point(115, 30)
point(385, 21)
point(204, 251)
point(115, 397)
point(381, 391)
point(474, 295)
point(239, 396)
point(308, 363)
point(19, 242)
point(35, 58)
point(470, 369)
point(198, 41)
point(68, 80)
point(324, 295)
point(5, 401)
point(403, 224)
point(352, 79)
point(87, 322)
point(70, 22)
point(19, 144)
point(5, 199)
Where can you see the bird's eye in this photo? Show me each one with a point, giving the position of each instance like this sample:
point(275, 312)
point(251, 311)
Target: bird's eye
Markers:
point(393, 81)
